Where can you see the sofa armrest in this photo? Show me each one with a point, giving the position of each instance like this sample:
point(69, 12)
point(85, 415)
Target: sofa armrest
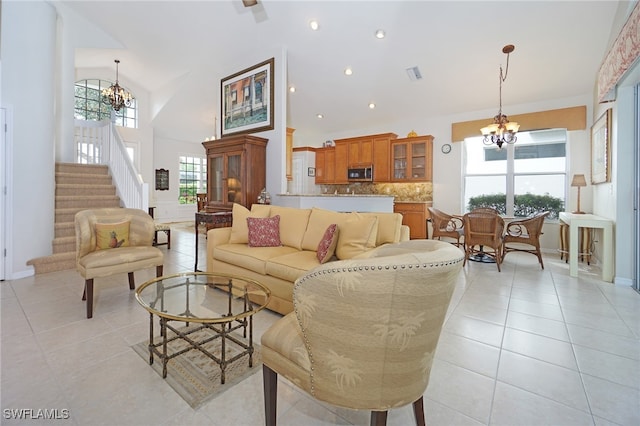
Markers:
point(216, 237)
point(404, 233)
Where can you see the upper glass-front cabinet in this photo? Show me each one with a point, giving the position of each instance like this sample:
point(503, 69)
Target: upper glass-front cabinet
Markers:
point(412, 159)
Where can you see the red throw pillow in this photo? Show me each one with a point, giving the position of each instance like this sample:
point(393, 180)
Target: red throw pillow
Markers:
point(264, 232)
point(327, 245)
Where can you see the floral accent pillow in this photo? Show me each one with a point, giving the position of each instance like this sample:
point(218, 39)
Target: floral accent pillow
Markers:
point(264, 232)
point(328, 243)
point(112, 235)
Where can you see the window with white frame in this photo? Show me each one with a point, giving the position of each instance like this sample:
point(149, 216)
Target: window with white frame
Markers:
point(193, 178)
point(88, 104)
point(520, 179)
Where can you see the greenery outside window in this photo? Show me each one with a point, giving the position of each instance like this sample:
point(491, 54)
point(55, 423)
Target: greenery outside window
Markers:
point(518, 180)
point(193, 178)
point(88, 104)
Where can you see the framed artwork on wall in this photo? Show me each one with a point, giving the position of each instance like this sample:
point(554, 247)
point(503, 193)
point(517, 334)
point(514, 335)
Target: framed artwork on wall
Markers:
point(247, 100)
point(601, 149)
point(311, 171)
point(162, 180)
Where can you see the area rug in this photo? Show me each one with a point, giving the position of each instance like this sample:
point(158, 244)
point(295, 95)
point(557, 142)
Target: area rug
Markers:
point(193, 375)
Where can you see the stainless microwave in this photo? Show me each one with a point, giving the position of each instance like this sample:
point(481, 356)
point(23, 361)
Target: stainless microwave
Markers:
point(360, 174)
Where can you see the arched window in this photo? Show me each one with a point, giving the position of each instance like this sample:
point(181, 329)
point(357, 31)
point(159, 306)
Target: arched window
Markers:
point(89, 105)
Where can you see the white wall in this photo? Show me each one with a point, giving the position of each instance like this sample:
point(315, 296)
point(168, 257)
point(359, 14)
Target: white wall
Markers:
point(166, 155)
point(28, 35)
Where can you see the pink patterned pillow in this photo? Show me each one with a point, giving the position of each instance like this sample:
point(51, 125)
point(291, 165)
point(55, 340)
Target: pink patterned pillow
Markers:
point(264, 232)
point(327, 245)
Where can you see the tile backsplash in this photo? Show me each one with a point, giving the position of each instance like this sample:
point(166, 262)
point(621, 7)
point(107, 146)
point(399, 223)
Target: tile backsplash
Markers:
point(418, 191)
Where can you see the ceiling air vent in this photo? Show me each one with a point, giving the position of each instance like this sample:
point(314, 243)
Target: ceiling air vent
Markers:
point(414, 73)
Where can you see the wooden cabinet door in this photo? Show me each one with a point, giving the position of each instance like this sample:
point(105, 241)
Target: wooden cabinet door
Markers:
point(380, 160)
point(321, 171)
point(361, 152)
point(414, 215)
point(340, 162)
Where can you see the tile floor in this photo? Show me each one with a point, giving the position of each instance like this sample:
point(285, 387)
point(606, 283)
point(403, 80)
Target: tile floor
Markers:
point(520, 347)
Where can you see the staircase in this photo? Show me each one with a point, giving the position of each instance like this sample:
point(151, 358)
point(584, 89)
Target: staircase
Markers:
point(78, 187)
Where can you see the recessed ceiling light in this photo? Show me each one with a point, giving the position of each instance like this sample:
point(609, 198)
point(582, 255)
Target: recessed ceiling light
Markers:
point(348, 71)
point(320, 116)
point(292, 89)
point(379, 34)
point(372, 105)
point(314, 25)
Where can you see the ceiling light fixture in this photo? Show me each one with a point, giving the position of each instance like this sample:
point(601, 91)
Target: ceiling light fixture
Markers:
point(115, 95)
point(348, 71)
point(320, 116)
point(314, 25)
point(372, 105)
point(501, 131)
point(380, 34)
point(292, 89)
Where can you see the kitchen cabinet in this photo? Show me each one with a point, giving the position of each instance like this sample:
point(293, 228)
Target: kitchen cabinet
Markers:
point(236, 171)
point(382, 157)
point(415, 216)
point(325, 165)
point(365, 151)
point(341, 166)
point(412, 159)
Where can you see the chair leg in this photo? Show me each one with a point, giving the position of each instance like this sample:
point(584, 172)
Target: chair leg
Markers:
point(378, 418)
point(88, 296)
point(132, 282)
point(418, 411)
point(270, 389)
point(168, 232)
point(159, 270)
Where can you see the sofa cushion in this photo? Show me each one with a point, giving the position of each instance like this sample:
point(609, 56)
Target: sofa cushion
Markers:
point(293, 224)
point(292, 266)
point(389, 225)
point(112, 235)
point(264, 231)
point(252, 258)
point(357, 235)
point(319, 220)
point(328, 243)
point(239, 227)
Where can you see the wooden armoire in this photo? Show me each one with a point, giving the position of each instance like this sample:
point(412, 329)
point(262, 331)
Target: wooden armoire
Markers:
point(236, 171)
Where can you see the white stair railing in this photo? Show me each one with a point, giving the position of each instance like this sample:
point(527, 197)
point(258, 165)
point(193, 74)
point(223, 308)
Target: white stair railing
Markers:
point(98, 142)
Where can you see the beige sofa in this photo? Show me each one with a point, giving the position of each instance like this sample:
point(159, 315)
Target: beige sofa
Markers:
point(300, 232)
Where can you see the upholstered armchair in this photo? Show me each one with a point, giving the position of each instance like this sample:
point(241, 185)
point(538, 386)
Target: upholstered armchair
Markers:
point(446, 225)
point(111, 241)
point(524, 235)
point(363, 333)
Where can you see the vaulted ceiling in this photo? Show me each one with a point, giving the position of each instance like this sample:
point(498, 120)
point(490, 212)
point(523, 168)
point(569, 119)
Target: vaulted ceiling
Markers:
point(177, 51)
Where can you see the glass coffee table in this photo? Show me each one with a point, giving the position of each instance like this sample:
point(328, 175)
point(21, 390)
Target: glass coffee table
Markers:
point(222, 305)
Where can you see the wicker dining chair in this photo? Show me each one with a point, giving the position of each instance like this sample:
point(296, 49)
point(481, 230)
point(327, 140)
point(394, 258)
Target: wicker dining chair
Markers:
point(524, 235)
point(446, 225)
point(483, 230)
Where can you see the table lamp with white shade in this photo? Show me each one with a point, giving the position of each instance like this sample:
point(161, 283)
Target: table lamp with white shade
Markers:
point(578, 181)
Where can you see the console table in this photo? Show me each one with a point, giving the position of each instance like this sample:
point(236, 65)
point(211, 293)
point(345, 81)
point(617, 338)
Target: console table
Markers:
point(576, 221)
point(211, 220)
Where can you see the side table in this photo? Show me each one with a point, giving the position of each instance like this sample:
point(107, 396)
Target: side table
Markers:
point(211, 220)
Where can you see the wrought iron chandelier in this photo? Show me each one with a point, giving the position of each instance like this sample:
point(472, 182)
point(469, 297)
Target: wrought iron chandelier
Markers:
point(115, 95)
point(502, 130)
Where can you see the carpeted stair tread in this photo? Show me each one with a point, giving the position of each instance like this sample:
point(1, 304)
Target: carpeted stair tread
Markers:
point(70, 189)
point(64, 245)
point(53, 263)
point(64, 229)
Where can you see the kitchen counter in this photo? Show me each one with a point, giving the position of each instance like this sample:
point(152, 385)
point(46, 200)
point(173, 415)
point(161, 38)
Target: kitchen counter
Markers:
point(338, 202)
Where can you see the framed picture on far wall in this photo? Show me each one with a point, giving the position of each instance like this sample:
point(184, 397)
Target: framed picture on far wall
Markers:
point(247, 100)
point(601, 149)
